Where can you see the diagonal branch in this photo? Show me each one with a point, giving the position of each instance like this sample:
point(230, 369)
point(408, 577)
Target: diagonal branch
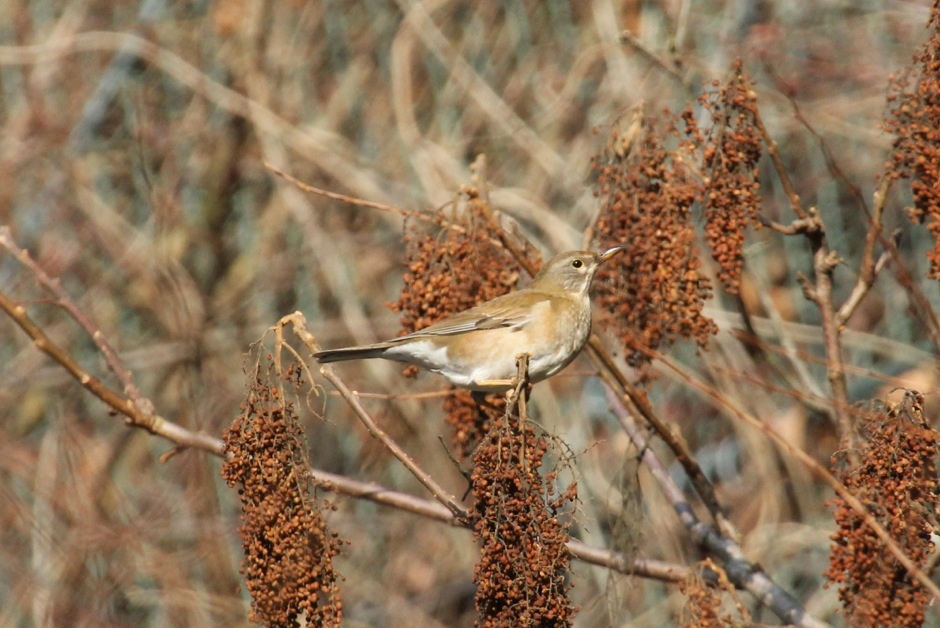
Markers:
point(65, 301)
point(817, 469)
point(615, 378)
point(743, 573)
point(136, 417)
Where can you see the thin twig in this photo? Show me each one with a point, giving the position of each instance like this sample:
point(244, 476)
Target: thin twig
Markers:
point(924, 309)
point(862, 287)
point(781, 170)
point(629, 38)
point(352, 200)
point(361, 202)
point(299, 324)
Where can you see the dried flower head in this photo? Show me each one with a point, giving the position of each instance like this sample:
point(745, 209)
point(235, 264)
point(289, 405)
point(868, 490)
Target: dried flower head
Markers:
point(521, 576)
point(897, 480)
point(730, 154)
point(703, 603)
point(914, 118)
point(289, 550)
point(656, 292)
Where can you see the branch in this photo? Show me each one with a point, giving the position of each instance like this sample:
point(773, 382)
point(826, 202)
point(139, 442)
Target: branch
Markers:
point(742, 573)
point(824, 261)
point(336, 196)
point(864, 284)
point(817, 469)
point(65, 301)
point(629, 38)
point(638, 403)
point(136, 417)
point(781, 170)
point(819, 291)
point(299, 323)
point(643, 567)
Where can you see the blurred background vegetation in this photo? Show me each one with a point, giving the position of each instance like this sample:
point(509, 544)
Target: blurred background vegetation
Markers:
point(132, 153)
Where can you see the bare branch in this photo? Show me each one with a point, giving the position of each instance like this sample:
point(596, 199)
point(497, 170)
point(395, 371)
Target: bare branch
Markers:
point(817, 469)
point(639, 404)
point(642, 567)
point(136, 417)
point(779, 168)
point(65, 301)
point(743, 573)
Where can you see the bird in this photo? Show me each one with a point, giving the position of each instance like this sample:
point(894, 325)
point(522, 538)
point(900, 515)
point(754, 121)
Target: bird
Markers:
point(477, 349)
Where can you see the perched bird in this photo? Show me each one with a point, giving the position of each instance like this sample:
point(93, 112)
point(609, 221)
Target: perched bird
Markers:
point(550, 319)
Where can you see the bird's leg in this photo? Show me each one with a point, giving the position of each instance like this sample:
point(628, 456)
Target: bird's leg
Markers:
point(497, 383)
point(520, 384)
point(519, 396)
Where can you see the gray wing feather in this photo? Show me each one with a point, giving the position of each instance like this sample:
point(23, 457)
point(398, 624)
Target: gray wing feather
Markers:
point(469, 320)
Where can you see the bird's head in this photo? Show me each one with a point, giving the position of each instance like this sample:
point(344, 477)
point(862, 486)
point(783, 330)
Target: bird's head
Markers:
point(572, 271)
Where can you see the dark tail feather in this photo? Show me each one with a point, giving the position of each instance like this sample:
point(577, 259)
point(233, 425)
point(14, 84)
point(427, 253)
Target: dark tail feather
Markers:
point(350, 353)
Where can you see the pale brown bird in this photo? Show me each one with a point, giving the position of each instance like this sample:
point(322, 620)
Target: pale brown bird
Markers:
point(550, 319)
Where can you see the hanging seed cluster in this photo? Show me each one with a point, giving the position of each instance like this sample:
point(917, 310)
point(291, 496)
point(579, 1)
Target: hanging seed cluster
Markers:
point(703, 604)
point(914, 118)
point(289, 550)
point(655, 293)
point(521, 577)
point(897, 481)
point(729, 155)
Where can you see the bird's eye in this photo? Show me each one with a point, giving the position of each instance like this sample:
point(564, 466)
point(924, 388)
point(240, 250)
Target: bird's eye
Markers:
point(577, 263)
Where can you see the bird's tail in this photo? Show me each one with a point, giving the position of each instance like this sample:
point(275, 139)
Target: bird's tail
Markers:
point(351, 353)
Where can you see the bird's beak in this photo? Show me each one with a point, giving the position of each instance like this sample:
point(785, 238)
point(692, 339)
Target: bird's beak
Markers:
point(606, 255)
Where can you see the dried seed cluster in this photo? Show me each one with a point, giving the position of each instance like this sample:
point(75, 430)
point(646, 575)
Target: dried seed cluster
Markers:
point(521, 575)
point(455, 266)
point(703, 604)
point(657, 291)
point(897, 480)
point(469, 420)
point(729, 156)
point(915, 120)
point(704, 601)
point(289, 550)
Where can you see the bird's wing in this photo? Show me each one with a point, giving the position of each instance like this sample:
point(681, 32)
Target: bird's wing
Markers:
point(500, 312)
